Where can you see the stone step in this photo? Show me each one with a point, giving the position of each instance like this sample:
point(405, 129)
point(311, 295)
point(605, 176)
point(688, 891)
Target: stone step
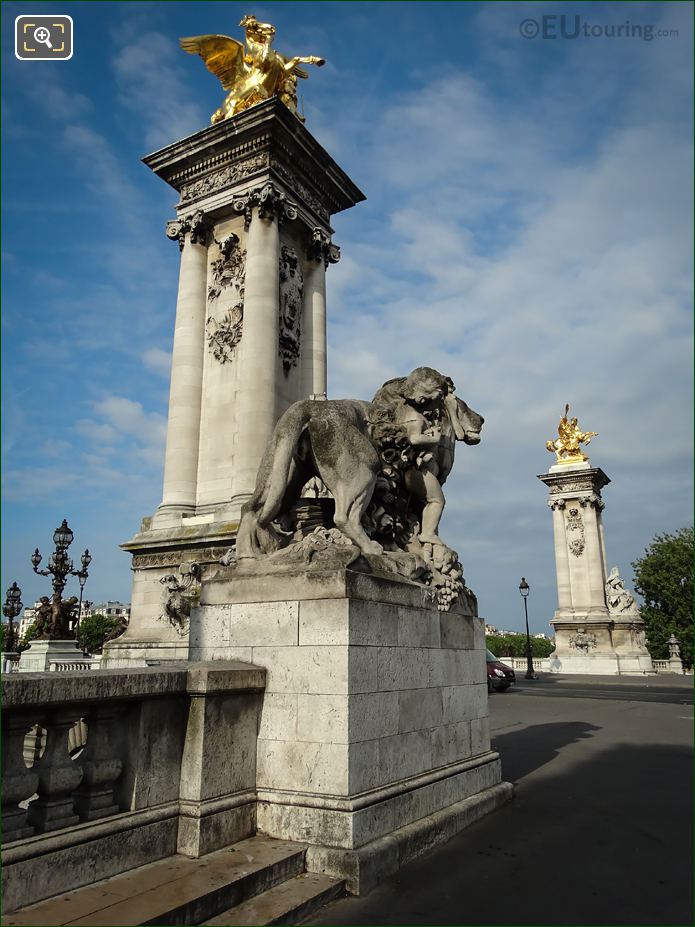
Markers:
point(172, 891)
point(289, 903)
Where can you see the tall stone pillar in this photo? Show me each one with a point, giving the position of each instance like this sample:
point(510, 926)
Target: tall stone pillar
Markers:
point(595, 632)
point(257, 193)
point(183, 425)
point(320, 254)
point(257, 393)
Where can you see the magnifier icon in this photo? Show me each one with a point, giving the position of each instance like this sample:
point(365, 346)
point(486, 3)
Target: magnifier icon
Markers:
point(42, 35)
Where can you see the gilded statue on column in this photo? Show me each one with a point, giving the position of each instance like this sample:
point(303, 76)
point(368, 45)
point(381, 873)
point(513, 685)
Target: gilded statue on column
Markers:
point(251, 73)
point(566, 446)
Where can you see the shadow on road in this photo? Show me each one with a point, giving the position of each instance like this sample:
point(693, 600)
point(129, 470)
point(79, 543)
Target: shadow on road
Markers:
point(529, 748)
point(606, 840)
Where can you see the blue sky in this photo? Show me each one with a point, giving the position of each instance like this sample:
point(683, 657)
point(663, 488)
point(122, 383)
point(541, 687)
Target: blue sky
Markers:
point(527, 231)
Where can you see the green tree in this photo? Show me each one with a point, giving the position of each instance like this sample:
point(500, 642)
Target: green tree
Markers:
point(514, 645)
point(93, 630)
point(664, 579)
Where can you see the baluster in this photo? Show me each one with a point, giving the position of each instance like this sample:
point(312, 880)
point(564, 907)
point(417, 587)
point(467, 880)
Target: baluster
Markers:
point(18, 782)
point(34, 743)
point(94, 798)
point(58, 775)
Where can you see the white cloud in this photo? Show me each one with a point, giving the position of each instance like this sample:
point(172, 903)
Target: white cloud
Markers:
point(157, 360)
point(151, 83)
point(129, 418)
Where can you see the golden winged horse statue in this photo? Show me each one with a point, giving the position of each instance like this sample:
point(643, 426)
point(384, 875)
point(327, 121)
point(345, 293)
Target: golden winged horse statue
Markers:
point(251, 74)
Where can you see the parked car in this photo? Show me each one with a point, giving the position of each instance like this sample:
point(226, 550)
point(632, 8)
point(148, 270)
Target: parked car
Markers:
point(499, 675)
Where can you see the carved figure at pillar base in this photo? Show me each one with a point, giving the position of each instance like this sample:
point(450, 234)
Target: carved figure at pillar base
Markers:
point(620, 600)
point(383, 462)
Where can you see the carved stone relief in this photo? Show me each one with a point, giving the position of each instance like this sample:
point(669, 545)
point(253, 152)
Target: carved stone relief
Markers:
point(173, 558)
point(291, 296)
point(228, 271)
point(575, 532)
point(180, 594)
point(288, 177)
point(580, 640)
point(224, 177)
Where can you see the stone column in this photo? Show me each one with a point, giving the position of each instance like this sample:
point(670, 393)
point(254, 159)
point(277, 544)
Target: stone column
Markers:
point(562, 567)
point(183, 431)
point(597, 578)
point(321, 252)
point(264, 210)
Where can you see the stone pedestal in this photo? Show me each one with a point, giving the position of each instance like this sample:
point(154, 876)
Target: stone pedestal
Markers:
point(40, 655)
point(589, 636)
point(253, 225)
point(373, 740)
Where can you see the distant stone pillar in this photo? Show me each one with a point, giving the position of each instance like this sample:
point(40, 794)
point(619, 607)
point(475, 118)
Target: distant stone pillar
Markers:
point(181, 456)
point(321, 253)
point(590, 637)
point(264, 210)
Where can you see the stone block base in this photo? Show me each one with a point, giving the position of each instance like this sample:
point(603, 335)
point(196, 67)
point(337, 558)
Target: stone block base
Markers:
point(210, 825)
point(365, 867)
point(612, 647)
point(50, 864)
point(41, 653)
point(374, 722)
point(124, 653)
point(369, 836)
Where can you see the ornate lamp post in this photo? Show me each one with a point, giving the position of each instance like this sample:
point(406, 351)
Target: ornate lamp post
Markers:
point(60, 566)
point(524, 589)
point(11, 608)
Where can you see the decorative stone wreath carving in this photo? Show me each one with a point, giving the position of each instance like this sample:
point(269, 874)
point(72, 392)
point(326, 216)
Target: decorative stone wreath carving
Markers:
point(575, 532)
point(580, 640)
point(228, 271)
point(291, 297)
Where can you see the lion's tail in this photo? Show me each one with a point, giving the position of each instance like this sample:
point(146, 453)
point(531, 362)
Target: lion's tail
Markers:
point(284, 443)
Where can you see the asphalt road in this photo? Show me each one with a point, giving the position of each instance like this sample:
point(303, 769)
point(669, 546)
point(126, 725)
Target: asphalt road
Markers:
point(599, 830)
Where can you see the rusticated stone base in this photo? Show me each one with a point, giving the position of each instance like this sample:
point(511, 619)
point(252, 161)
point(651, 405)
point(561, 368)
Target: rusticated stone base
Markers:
point(607, 647)
point(364, 868)
point(373, 741)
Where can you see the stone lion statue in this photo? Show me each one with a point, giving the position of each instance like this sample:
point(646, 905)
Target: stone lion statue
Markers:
point(384, 463)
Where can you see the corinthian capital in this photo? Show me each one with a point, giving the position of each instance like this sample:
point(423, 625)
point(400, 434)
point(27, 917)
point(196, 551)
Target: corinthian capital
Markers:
point(557, 503)
point(197, 224)
point(594, 500)
point(271, 202)
point(322, 248)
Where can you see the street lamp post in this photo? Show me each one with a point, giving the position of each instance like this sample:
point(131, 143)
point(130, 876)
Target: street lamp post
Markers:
point(60, 566)
point(524, 589)
point(11, 608)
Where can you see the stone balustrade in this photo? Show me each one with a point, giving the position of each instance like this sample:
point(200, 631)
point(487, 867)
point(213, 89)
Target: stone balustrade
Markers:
point(542, 664)
point(108, 770)
point(74, 666)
